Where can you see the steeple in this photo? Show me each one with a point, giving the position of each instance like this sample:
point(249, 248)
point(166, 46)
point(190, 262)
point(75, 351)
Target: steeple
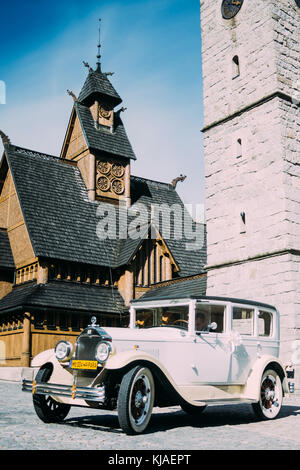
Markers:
point(98, 69)
point(97, 140)
point(97, 87)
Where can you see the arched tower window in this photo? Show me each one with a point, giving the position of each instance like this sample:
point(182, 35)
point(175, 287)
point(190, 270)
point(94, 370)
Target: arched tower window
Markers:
point(239, 148)
point(235, 67)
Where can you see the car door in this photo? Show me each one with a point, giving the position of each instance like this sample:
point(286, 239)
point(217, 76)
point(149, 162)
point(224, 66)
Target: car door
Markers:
point(244, 343)
point(211, 351)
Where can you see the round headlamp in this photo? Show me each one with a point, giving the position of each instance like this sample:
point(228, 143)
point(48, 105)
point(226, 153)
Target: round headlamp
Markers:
point(103, 350)
point(63, 350)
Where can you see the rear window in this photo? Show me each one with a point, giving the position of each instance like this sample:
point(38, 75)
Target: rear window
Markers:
point(265, 323)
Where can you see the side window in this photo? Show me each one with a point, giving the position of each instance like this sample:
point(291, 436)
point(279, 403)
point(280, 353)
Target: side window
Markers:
point(207, 314)
point(242, 320)
point(265, 323)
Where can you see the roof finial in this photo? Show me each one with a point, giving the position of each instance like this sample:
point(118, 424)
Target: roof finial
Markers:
point(176, 180)
point(72, 94)
point(99, 45)
point(88, 66)
point(5, 138)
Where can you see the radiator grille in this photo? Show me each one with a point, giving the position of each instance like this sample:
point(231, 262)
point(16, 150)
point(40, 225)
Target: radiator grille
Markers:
point(86, 347)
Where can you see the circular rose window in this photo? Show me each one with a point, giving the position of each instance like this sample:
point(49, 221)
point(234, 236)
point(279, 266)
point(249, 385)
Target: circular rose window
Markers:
point(117, 170)
point(103, 183)
point(117, 186)
point(104, 167)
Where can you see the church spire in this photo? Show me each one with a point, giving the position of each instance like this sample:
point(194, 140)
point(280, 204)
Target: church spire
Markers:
point(98, 69)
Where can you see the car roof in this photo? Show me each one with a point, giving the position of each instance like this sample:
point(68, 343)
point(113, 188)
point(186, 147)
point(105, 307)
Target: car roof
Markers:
point(157, 298)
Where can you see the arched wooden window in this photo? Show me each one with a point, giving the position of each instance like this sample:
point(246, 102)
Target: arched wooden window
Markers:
point(155, 263)
point(161, 268)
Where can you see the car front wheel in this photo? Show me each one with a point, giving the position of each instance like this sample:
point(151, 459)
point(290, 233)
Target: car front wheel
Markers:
point(135, 400)
point(48, 409)
point(270, 400)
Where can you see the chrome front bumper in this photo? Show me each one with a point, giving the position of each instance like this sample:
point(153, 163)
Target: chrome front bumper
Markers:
point(70, 391)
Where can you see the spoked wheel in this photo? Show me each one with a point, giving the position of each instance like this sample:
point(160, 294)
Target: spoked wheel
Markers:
point(135, 401)
point(48, 409)
point(270, 400)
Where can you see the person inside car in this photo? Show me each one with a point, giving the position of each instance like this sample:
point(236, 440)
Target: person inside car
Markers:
point(201, 323)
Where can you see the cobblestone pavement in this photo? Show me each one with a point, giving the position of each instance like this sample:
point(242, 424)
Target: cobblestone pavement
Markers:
point(225, 427)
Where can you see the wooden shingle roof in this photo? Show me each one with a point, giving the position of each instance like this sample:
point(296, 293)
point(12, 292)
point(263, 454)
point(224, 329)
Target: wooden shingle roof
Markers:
point(98, 86)
point(64, 296)
point(182, 289)
point(62, 221)
point(113, 142)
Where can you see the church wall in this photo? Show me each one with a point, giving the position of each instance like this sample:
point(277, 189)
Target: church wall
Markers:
point(243, 36)
point(247, 179)
point(286, 25)
point(5, 195)
point(5, 287)
point(12, 219)
point(75, 143)
point(86, 165)
point(291, 177)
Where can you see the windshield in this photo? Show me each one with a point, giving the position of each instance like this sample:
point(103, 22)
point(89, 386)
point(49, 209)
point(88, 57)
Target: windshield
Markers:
point(163, 316)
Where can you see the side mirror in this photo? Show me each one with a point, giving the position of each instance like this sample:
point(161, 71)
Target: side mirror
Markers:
point(213, 326)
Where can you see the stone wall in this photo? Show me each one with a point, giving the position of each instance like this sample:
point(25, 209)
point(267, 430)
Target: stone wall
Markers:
point(249, 181)
point(286, 25)
point(265, 37)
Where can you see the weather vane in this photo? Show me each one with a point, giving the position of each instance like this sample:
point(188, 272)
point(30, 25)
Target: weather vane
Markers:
point(99, 45)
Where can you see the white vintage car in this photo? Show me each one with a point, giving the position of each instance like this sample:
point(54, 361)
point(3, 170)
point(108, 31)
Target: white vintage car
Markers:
point(190, 352)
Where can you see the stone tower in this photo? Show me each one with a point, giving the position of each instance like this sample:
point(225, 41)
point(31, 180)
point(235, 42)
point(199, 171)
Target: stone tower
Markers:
point(251, 133)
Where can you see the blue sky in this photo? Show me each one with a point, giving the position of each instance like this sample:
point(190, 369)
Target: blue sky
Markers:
point(154, 49)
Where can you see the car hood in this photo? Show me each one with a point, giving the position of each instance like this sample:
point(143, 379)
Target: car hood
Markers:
point(146, 334)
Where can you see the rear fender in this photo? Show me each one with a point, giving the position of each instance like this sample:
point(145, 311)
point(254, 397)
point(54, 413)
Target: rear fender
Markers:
point(252, 387)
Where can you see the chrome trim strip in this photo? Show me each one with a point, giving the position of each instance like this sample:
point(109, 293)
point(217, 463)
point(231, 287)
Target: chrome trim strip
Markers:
point(85, 393)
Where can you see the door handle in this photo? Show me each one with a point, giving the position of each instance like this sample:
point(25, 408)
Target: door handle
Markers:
point(258, 349)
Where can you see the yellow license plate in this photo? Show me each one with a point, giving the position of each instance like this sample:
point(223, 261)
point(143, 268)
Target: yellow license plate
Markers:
point(91, 365)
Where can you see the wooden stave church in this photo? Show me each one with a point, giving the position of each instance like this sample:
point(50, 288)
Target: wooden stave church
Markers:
point(55, 272)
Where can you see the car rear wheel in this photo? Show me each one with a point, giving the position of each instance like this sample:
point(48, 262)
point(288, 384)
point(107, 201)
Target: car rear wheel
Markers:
point(135, 400)
point(270, 400)
point(48, 409)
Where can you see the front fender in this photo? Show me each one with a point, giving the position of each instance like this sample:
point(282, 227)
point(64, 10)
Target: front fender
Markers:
point(43, 357)
point(125, 358)
point(252, 387)
point(60, 375)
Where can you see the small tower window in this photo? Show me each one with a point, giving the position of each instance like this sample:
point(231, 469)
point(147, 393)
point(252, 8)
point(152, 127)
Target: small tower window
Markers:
point(243, 222)
point(235, 67)
point(239, 148)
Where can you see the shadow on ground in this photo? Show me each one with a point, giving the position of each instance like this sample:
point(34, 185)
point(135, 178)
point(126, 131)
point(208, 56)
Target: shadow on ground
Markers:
point(162, 421)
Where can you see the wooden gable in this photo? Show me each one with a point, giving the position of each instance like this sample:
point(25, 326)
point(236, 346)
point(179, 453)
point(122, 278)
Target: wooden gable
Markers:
point(75, 145)
point(12, 219)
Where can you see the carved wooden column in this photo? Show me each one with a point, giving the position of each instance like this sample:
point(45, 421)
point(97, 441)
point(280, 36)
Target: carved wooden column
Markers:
point(26, 342)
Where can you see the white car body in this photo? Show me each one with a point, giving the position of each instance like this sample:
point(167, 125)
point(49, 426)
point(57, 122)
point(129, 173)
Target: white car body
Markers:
point(189, 367)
